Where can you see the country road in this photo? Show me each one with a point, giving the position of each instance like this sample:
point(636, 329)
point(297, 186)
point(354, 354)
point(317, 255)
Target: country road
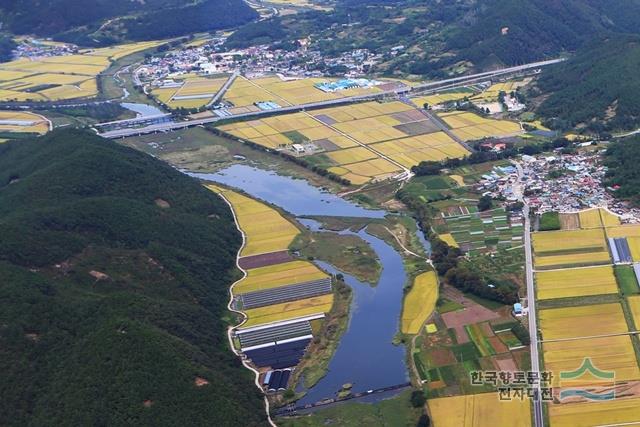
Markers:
point(531, 300)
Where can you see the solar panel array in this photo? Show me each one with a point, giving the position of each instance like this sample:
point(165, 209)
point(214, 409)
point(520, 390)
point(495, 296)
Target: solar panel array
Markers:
point(284, 293)
point(279, 356)
point(272, 334)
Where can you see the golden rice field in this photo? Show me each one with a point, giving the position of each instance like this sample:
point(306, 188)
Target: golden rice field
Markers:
point(576, 282)
point(613, 353)
point(246, 92)
point(582, 321)
point(440, 98)
point(575, 259)
point(634, 307)
point(356, 138)
point(419, 303)
point(264, 228)
point(479, 410)
point(289, 310)
point(273, 276)
point(597, 217)
point(634, 248)
point(630, 230)
point(615, 412)
point(415, 149)
point(470, 126)
point(22, 121)
point(194, 91)
point(448, 239)
point(570, 247)
point(61, 77)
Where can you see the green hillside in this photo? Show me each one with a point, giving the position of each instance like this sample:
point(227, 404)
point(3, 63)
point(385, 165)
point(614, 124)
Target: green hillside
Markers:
point(622, 159)
point(114, 275)
point(597, 88)
point(109, 21)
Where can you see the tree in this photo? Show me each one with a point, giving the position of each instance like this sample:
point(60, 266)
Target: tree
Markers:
point(485, 203)
point(417, 398)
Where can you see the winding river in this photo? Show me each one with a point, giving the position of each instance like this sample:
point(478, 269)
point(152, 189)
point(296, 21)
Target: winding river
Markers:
point(365, 356)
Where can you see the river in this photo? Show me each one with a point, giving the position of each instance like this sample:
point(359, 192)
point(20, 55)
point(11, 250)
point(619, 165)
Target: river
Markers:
point(365, 356)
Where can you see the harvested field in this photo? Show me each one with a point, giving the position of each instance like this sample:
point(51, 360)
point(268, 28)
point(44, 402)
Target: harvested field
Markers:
point(582, 321)
point(264, 260)
point(569, 221)
point(419, 303)
point(479, 410)
point(473, 313)
point(614, 353)
point(576, 282)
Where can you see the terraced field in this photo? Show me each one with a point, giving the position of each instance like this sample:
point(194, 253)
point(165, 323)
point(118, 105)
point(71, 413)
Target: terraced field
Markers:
point(576, 282)
point(479, 410)
point(289, 310)
point(273, 276)
point(61, 77)
point(419, 303)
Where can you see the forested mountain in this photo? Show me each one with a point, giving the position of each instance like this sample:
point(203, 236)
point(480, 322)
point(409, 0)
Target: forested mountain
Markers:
point(597, 88)
point(437, 38)
point(108, 21)
point(6, 47)
point(622, 158)
point(114, 276)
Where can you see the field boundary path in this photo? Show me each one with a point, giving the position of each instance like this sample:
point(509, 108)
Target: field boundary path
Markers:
point(223, 89)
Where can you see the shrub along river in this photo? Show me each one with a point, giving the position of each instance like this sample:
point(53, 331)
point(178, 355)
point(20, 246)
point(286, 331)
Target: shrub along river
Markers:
point(365, 356)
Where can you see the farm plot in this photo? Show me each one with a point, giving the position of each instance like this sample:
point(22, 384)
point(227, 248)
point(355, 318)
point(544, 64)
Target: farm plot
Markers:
point(491, 94)
point(189, 92)
point(277, 275)
point(22, 122)
point(441, 98)
point(576, 282)
point(419, 303)
point(605, 413)
point(582, 321)
point(479, 410)
point(248, 92)
point(61, 77)
point(362, 141)
point(614, 353)
point(476, 232)
point(634, 307)
point(265, 229)
point(570, 248)
point(289, 310)
point(469, 126)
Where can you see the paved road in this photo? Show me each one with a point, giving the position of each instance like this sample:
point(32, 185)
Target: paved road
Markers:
point(224, 88)
point(531, 301)
point(431, 86)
